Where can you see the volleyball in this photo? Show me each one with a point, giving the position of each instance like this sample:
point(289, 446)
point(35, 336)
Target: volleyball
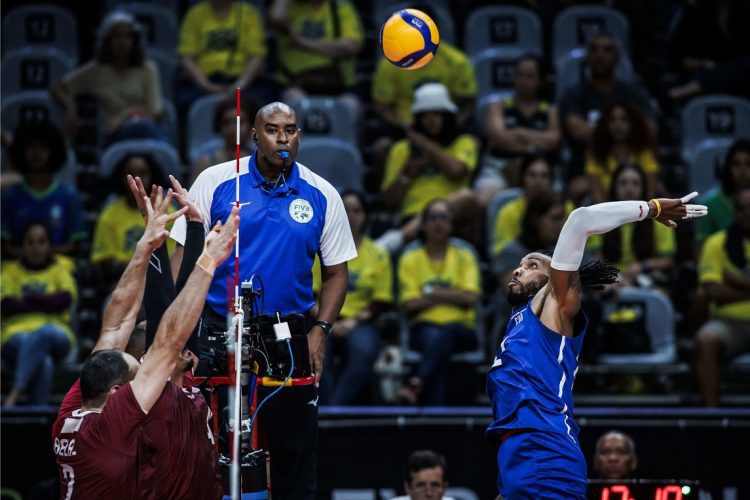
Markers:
point(409, 39)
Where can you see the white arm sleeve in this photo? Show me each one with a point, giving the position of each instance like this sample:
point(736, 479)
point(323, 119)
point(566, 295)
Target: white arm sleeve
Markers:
point(596, 219)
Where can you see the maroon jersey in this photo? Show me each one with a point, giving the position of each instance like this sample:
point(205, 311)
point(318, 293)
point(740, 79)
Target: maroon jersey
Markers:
point(177, 456)
point(97, 451)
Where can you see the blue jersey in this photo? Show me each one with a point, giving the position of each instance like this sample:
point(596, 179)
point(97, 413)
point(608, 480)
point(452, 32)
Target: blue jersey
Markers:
point(530, 383)
point(59, 208)
point(282, 227)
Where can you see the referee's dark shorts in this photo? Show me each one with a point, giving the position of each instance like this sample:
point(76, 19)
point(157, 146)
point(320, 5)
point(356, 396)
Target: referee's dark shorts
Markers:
point(288, 422)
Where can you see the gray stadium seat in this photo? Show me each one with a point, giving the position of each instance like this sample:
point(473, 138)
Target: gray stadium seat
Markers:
point(659, 315)
point(339, 162)
point(494, 72)
point(159, 25)
point(493, 210)
point(499, 26)
point(163, 153)
point(326, 117)
point(33, 68)
point(205, 149)
point(571, 68)
point(41, 25)
point(171, 5)
point(714, 116)
point(167, 66)
point(31, 106)
point(200, 125)
point(574, 25)
point(704, 160)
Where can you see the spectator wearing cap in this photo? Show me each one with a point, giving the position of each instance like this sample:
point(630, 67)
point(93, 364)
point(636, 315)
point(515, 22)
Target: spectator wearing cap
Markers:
point(436, 160)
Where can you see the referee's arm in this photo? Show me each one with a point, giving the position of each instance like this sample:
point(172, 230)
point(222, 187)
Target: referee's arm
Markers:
point(335, 281)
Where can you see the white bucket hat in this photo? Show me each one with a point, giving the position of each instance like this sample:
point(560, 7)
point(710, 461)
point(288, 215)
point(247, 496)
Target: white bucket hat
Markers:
point(432, 97)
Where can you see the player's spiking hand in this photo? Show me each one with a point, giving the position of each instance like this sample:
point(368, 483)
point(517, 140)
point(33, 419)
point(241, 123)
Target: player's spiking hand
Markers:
point(668, 210)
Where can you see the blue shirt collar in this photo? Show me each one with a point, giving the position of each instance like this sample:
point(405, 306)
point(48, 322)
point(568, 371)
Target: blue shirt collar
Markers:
point(257, 180)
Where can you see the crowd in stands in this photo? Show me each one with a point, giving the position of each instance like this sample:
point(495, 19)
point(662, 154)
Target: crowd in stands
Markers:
point(468, 164)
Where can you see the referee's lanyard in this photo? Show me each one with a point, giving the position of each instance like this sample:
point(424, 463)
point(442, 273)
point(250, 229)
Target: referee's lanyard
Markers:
point(276, 189)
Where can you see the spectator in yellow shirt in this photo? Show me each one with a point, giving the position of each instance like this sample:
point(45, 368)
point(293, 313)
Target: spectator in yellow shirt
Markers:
point(37, 293)
point(724, 274)
point(222, 46)
point(622, 135)
point(439, 289)
point(643, 251)
point(356, 339)
point(435, 161)
point(120, 224)
point(317, 47)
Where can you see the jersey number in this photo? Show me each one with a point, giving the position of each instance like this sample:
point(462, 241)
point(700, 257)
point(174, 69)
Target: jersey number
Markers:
point(69, 478)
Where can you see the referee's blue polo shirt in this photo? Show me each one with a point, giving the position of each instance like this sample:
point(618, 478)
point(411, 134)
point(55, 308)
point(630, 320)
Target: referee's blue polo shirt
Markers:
point(281, 230)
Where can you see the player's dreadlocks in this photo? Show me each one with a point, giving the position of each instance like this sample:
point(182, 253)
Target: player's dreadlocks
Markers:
point(595, 274)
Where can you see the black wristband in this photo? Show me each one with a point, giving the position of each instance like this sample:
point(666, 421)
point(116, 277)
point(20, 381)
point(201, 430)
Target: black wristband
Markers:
point(326, 326)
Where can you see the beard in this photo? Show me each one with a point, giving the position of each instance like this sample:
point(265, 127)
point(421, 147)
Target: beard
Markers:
point(522, 293)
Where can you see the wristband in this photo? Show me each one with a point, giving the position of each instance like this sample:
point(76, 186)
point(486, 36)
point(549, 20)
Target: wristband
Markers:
point(206, 263)
point(658, 208)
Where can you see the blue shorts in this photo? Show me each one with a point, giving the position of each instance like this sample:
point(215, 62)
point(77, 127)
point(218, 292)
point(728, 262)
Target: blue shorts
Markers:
point(536, 464)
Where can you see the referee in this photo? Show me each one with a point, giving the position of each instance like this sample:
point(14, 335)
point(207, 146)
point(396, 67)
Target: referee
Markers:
point(288, 214)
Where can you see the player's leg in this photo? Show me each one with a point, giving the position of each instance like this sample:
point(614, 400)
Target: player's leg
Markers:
point(362, 348)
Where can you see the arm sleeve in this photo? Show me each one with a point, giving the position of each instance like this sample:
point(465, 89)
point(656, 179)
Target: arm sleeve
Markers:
point(194, 241)
point(596, 219)
point(159, 291)
point(202, 195)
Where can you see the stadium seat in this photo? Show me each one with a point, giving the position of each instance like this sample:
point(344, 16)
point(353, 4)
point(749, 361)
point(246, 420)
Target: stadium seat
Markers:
point(41, 25)
point(163, 153)
point(502, 26)
point(571, 68)
point(167, 66)
point(326, 117)
point(714, 116)
point(159, 25)
point(659, 315)
point(200, 125)
point(33, 68)
point(574, 25)
point(339, 162)
point(171, 5)
point(705, 160)
point(31, 106)
point(493, 210)
point(494, 72)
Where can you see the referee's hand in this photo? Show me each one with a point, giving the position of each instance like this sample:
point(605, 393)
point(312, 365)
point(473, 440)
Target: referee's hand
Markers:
point(316, 344)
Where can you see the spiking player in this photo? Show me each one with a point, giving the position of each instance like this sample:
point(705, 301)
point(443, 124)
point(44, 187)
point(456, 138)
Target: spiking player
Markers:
point(530, 382)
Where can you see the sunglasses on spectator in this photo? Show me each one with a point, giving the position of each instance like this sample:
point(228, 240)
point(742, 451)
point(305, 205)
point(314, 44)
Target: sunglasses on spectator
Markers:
point(437, 217)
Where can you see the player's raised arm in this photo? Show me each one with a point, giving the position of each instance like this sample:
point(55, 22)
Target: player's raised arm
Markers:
point(178, 321)
point(598, 219)
point(121, 311)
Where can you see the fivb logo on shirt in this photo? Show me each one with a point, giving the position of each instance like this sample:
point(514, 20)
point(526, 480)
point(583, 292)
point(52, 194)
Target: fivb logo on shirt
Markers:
point(301, 211)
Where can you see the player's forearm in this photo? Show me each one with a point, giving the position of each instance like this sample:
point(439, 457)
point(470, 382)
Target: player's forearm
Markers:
point(122, 309)
point(596, 219)
point(335, 282)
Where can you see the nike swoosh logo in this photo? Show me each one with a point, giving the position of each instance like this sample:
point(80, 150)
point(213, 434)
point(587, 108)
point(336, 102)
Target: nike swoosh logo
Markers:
point(497, 362)
point(241, 204)
point(314, 402)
